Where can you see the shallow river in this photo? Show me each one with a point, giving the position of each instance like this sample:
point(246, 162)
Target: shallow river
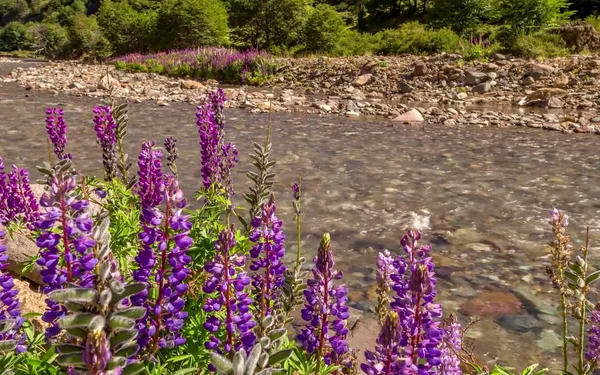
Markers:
point(487, 192)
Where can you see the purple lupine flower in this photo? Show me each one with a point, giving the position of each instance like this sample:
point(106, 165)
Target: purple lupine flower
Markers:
point(10, 308)
point(559, 218)
point(267, 254)
point(210, 138)
point(296, 191)
point(218, 158)
point(65, 242)
point(325, 310)
point(57, 131)
point(386, 359)
point(451, 347)
point(163, 258)
point(419, 316)
point(592, 353)
point(385, 270)
point(96, 354)
point(17, 202)
point(229, 297)
point(106, 136)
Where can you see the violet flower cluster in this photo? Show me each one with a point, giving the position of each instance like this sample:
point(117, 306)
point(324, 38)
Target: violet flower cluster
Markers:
point(385, 270)
point(386, 359)
point(229, 297)
point(267, 254)
point(325, 309)
point(415, 287)
point(218, 159)
point(65, 242)
point(592, 353)
point(10, 308)
point(451, 347)
point(163, 257)
point(57, 131)
point(17, 202)
point(106, 136)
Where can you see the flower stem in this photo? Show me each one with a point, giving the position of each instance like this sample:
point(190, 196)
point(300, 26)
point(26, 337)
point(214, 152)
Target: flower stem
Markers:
point(163, 266)
point(581, 347)
point(563, 305)
point(65, 237)
point(323, 323)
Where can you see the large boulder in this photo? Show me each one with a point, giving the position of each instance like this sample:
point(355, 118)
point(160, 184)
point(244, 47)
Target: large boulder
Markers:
point(21, 247)
point(580, 36)
point(411, 116)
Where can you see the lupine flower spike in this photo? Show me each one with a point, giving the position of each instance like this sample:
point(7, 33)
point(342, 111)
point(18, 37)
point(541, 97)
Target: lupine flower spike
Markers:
point(10, 313)
point(325, 310)
point(267, 259)
point(57, 131)
point(172, 154)
point(163, 258)
point(386, 359)
point(419, 316)
point(385, 270)
point(451, 347)
point(17, 202)
point(229, 298)
point(66, 246)
point(106, 136)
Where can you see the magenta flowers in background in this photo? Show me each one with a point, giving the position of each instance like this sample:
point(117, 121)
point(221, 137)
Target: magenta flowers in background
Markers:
point(17, 202)
point(105, 128)
point(10, 308)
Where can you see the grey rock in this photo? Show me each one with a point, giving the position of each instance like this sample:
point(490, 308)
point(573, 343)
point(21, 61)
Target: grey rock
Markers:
point(474, 78)
point(519, 323)
point(555, 102)
point(482, 88)
point(411, 116)
point(549, 340)
point(405, 88)
point(362, 80)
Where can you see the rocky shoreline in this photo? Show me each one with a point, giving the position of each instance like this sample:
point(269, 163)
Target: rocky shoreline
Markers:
point(561, 94)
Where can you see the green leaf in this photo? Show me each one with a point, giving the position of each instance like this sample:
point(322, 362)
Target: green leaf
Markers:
point(122, 338)
point(185, 371)
point(592, 277)
point(221, 364)
point(69, 349)
point(78, 332)
point(79, 320)
point(83, 296)
point(71, 359)
point(134, 368)
point(127, 351)
point(7, 346)
point(280, 356)
point(132, 289)
point(135, 313)
point(117, 322)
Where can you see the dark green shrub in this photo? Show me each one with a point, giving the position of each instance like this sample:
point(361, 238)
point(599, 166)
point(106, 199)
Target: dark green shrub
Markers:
point(126, 29)
point(15, 37)
point(538, 45)
point(354, 43)
point(414, 38)
point(594, 21)
point(531, 16)
point(86, 38)
point(50, 39)
point(192, 23)
point(461, 16)
point(323, 30)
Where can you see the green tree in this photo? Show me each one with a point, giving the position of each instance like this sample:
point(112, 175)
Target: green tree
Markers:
point(531, 16)
point(14, 37)
point(267, 23)
point(50, 39)
point(87, 39)
point(324, 29)
point(126, 29)
point(192, 23)
point(462, 16)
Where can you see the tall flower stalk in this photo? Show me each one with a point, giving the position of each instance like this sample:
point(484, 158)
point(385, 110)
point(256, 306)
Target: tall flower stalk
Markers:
point(227, 285)
point(163, 257)
point(385, 270)
point(105, 128)
point(17, 202)
point(414, 284)
point(217, 157)
point(66, 246)
point(386, 359)
point(267, 260)
point(297, 205)
point(57, 132)
point(172, 154)
point(561, 250)
point(10, 308)
point(451, 347)
point(325, 311)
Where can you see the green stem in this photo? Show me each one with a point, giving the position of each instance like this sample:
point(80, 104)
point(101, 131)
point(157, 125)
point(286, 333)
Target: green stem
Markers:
point(563, 304)
point(583, 305)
